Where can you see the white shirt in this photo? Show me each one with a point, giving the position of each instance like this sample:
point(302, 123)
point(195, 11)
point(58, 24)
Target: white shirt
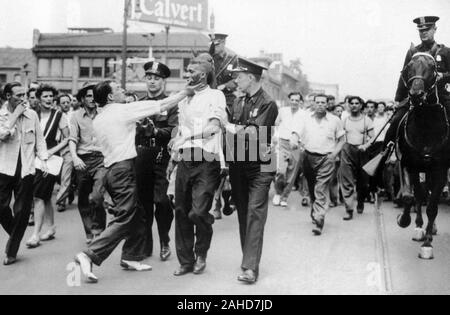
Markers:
point(289, 122)
point(196, 113)
point(378, 123)
point(322, 136)
point(115, 129)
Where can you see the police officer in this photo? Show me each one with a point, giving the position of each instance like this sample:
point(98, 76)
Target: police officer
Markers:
point(224, 61)
point(252, 120)
point(427, 29)
point(152, 137)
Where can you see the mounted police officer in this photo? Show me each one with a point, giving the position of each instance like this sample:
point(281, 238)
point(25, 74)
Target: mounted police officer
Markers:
point(427, 29)
point(224, 61)
point(152, 138)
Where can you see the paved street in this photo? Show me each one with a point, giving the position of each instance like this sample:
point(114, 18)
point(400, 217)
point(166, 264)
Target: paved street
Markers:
point(345, 260)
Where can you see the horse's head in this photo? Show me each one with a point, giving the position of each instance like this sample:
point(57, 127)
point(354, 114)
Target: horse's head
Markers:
point(420, 76)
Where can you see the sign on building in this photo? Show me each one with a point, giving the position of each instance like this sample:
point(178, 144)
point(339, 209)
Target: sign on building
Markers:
point(191, 14)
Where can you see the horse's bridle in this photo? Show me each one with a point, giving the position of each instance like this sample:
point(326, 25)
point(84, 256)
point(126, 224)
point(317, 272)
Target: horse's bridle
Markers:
point(433, 86)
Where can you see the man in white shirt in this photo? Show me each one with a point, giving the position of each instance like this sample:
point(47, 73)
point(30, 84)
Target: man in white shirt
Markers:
point(21, 140)
point(322, 135)
point(199, 142)
point(354, 182)
point(115, 129)
point(288, 120)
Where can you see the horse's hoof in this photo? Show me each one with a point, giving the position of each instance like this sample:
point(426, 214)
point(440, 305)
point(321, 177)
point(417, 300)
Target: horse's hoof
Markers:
point(426, 253)
point(435, 230)
point(419, 235)
point(404, 221)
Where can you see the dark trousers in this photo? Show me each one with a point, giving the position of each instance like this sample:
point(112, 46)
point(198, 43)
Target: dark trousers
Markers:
point(354, 181)
point(91, 192)
point(152, 185)
point(15, 223)
point(251, 195)
point(195, 186)
point(128, 223)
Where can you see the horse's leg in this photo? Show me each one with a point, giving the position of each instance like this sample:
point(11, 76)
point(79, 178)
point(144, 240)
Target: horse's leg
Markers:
point(438, 180)
point(419, 193)
point(404, 219)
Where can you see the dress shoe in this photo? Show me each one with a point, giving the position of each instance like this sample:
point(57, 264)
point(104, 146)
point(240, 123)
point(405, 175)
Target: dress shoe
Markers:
point(305, 202)
point(228, 208)
point(33, 242)
point(183, 270)
point(200, 265)
point(135, 266)
point(349, 216)
point(61, 208)
point(318, 229)
point(360, 208)
point(165, 253)
point(49, 236)
point(9, 261)
point(85, 264)
point(249, 277)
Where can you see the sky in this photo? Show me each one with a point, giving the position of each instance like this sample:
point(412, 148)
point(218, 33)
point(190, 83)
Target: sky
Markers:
point(358, 44)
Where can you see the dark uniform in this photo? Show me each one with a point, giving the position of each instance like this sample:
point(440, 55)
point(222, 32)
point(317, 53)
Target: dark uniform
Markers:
point(251, 178)
point(442, 57)
point(224, 77)
point(153, 135)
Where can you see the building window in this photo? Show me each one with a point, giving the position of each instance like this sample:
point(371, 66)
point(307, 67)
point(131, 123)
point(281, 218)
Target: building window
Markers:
point(96, 68)
point(55, 68)
point(176, 66)
point(68, 68)
point(43, 68)
point(85, 68)
point(3, 78)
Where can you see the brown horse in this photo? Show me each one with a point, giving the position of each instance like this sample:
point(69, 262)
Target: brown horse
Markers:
point(423, 147)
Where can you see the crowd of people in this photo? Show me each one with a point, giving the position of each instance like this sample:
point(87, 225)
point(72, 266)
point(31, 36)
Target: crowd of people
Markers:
point(215, 147)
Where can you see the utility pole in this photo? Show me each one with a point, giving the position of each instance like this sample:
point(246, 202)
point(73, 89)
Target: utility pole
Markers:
point(166, 57)
point(125, 43)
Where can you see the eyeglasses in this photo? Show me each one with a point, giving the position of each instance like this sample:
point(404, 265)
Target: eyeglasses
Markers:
point(355, 103)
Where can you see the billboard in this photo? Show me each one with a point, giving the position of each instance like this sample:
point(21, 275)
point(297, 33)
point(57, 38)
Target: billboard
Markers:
point(191, 14)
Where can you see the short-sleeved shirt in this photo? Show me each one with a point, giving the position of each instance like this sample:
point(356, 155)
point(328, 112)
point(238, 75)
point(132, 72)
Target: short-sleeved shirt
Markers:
point(195, 114)
point(289, 122)
point(357, 130)
point(321, 136)
point(82, 133)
